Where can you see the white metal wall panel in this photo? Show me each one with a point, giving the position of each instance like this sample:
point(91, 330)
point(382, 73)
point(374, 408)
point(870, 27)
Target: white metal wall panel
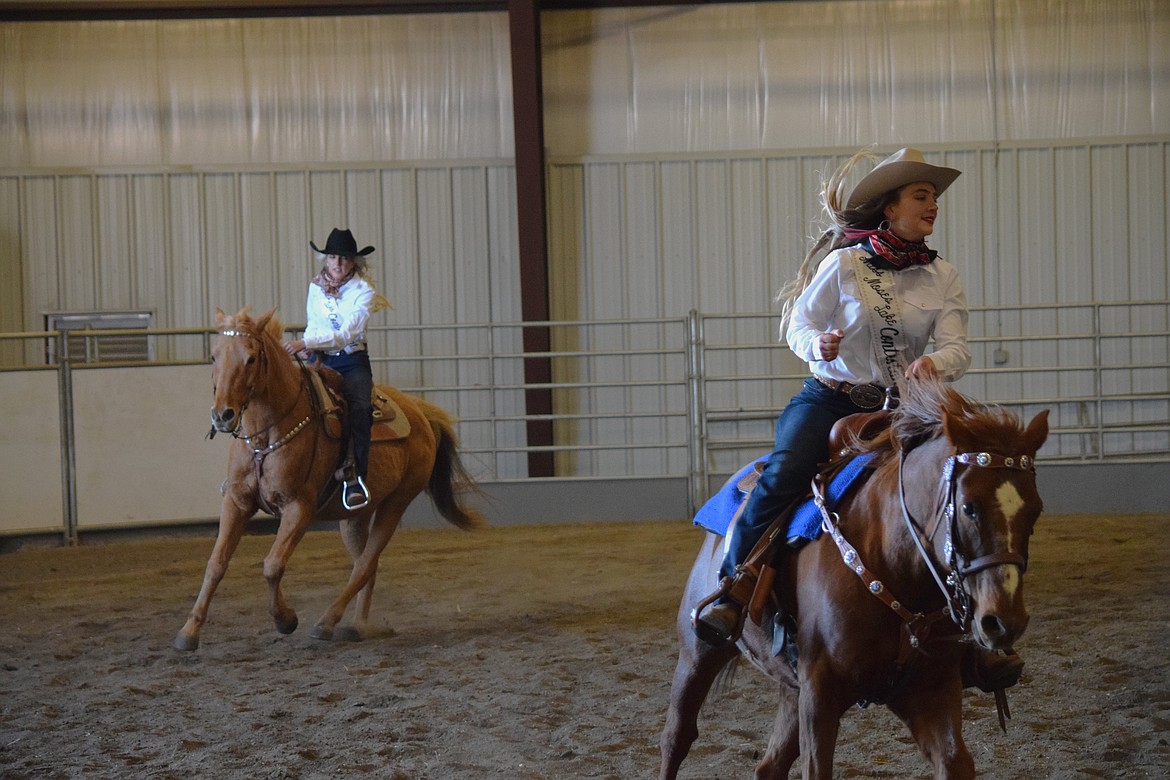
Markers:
point(114, 269)
point(30, 480)
point(436, 277)
point(507, 372)
point(677, 196)
point(1145, 216)
point(190, 300)
point(39, 226)
point(219, 243)
point(396, 271)
point(11, 267)
point(261, 265)
point(714, 259)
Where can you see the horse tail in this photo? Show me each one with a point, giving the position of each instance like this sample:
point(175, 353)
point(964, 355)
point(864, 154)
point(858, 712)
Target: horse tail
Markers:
point(449, 480)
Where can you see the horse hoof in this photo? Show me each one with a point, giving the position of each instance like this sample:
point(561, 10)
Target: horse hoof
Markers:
point(287, 626)
point(184, 642)
point(322, 632)
point(349, 634)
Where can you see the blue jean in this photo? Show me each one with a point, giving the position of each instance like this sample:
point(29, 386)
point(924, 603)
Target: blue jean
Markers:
point(802, 445)
point(359, 386)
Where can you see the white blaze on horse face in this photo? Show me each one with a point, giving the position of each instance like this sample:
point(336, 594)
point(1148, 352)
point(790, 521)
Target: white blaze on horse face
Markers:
point(1010, 503)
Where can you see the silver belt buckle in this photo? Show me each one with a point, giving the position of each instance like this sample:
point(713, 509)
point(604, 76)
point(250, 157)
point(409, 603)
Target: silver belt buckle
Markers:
point(867, 396)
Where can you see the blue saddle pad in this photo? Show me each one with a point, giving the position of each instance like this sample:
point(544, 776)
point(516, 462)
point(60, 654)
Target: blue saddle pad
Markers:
point(716, 514)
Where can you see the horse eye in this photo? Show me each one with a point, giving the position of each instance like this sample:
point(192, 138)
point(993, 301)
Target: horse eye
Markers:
point(969, 510)
point(251, 360)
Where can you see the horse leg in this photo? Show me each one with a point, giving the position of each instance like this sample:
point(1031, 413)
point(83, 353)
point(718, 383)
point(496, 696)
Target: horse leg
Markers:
point(355, 533)
point(821, 707)
point(294, 521)
point(698, 666)
point(934, 715)
point(365, 566)
point(232, 520)
point(784, 744)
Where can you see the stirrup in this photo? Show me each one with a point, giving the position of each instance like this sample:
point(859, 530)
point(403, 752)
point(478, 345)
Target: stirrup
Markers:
point(725, 590)
point(365, 494)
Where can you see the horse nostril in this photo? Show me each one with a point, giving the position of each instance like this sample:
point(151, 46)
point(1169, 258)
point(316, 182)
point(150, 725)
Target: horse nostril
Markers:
point(228, 414)
point(992, 626)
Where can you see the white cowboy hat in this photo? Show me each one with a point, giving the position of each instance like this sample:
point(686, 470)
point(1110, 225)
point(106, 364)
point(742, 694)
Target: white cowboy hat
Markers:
point(904, 166)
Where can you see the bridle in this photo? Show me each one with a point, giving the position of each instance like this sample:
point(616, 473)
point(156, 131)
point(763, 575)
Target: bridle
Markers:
point(918, 625)
point(259, 453)
point(960, 565)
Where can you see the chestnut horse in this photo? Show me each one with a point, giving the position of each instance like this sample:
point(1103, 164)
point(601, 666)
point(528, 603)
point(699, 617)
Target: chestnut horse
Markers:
point(283, 461)
point(925, 558)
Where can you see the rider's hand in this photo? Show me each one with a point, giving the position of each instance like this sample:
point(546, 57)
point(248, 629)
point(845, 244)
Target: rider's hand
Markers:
point(922, 368)
point(294, 346)
point(829, 343)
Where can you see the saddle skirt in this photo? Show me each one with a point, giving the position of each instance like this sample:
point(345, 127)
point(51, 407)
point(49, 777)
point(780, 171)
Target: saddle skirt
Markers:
point(805, 523)
point(390, 422)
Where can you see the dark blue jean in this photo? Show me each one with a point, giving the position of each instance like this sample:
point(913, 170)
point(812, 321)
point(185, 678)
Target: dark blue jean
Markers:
point(359, 386)
point(802, 444)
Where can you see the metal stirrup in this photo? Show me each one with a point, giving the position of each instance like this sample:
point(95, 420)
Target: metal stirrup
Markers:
point(345, 495)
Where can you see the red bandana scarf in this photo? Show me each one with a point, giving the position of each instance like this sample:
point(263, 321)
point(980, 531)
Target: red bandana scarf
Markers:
point(328, 285)
point(896, 252)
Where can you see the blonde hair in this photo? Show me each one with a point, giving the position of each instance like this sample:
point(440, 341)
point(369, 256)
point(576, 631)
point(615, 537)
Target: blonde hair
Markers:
point(380, 301)
point(362, 268)
point(833, 196)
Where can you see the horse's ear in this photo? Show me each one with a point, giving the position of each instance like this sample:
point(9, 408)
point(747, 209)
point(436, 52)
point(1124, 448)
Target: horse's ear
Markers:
point(265, 318)
point(270, 323)
point(220, 316)
point(1037, 432)
point(958, 434)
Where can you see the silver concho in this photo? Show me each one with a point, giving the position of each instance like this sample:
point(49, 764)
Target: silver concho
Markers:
point(867, 396)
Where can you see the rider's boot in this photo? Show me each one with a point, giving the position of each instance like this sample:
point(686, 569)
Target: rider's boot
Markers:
point(720, 622)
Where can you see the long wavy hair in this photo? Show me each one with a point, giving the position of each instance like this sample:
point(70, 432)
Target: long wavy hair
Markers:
point(833, 196)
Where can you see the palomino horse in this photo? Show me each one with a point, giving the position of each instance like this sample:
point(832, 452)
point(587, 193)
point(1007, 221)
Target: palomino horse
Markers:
point(282, 460)
point(925, 558)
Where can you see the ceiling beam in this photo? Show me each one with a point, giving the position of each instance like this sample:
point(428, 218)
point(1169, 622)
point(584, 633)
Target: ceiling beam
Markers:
point(92, 10)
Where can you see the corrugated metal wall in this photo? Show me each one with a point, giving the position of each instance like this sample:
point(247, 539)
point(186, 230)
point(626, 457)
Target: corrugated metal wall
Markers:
point(645, 238)
point(183, 244)
point(183, 165)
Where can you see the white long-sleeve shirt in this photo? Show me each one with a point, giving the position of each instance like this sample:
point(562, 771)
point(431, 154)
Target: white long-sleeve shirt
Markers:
point(934, 307)
point(332, 324)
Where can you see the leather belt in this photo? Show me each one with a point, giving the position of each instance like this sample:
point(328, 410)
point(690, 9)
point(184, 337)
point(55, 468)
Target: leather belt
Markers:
point(864, 396)
point(348, 350)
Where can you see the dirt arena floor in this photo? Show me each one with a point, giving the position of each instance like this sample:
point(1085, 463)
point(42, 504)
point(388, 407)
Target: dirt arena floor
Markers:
point(519, 652)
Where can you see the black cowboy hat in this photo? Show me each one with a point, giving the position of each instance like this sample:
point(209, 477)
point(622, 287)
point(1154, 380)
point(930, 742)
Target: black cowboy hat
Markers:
point(341, 243)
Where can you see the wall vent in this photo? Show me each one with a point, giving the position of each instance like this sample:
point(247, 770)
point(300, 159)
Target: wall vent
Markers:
point(107, 348)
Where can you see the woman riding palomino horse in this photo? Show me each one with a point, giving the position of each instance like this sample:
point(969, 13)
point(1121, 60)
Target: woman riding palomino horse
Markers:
point(282, 460)
point(862, 319)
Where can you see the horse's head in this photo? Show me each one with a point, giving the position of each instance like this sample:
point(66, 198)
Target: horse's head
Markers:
point(240, 356)
point(990, 506)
